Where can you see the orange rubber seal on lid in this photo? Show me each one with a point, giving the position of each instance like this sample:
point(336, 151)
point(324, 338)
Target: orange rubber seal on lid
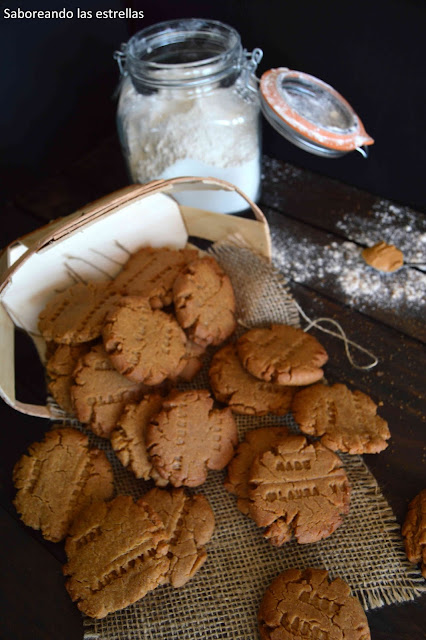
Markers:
point(345, 140)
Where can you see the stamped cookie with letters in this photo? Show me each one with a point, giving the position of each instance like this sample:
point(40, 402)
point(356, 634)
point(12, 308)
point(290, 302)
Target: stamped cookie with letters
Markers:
point(117, 553)
point(145, 345)
point(346, 420)
point(255, 442)
point(307, 604)
point(298, 489)
point(189, 522)
point(205, 302)
point(282, 354)
point(241, 391)
point(57, 478)
point(188, 437)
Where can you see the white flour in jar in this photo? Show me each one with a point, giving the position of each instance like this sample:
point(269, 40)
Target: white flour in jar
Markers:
point(214, 134)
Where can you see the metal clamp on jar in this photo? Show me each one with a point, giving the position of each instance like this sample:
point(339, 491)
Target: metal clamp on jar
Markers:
point(190, 105)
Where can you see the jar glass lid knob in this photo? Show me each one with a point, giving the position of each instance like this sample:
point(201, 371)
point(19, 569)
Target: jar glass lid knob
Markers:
point(311, 114)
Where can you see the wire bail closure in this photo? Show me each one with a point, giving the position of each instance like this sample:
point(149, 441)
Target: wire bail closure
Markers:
point(120, 56)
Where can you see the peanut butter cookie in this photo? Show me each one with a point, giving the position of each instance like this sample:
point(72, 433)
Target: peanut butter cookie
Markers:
point(346, 420)
point(57, 478)
point(99, 392)
point(414, 531)
point(204, 302)
point(128, 437)
point(151, 273)
point(298, 489)
point(77, 314)
point(188, 437)
point(255, 442)
point(282, 354)
point(189, 522)
point(60, 367)
point(145, 345)
point(191, 363)
point(307, 604)
point(241, 391)
point(117, 553)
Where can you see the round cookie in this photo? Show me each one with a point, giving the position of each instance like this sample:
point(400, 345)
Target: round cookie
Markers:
point(77, 314)
point(204, 302)
point(57, 478)
point(414, 531)
point(144, 345)
point(151, 273)
point(255, 442)
point(189, 522)
point(128, 437)
point(346, 420)
point(100, 393)
point(241, 391)
point(282, 354)
point(298, 489)
point(307, 604)
point(60, 367)
point(117, 553)
point(188, 437)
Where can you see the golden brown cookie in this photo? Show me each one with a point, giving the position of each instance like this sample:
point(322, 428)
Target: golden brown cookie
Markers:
point(60, 476)
point(60, 367)
point(189, 522)
point(77, 314)
point(307, 604)
point(384, 257)
point(241, 391)
point(151, 273)
point(298, 489)
point(99, 392)
point(255, 442)
point(346, 420)
point(204, 302)
point(145, 345)
point(282, 354)
point(190, 364)
point(414, 531)
point(128, 437)
point(117, 553)
point(188, 437)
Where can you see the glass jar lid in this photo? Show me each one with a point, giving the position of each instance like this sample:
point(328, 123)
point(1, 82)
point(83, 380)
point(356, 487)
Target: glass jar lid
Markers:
point(311, 114)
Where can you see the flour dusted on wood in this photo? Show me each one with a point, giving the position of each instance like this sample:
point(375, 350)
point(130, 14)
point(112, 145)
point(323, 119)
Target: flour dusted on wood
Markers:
point(171, 133)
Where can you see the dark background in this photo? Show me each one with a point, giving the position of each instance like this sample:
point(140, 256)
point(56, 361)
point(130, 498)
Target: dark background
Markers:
point(58, 79)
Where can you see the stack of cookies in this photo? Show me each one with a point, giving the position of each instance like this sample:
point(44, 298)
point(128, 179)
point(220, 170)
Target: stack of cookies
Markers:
point(117, 354)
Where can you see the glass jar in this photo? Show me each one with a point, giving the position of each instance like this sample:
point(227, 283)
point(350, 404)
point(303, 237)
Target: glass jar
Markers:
point(189, 106)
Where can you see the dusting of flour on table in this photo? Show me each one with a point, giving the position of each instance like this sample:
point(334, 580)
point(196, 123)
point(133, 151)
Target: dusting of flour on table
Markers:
point(391, 223)
point(340, 262)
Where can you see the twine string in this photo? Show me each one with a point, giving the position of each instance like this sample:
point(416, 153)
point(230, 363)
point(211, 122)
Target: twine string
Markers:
point(341, 335)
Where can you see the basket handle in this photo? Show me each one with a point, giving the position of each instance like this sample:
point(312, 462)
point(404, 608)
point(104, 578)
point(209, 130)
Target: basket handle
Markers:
point(7, 370)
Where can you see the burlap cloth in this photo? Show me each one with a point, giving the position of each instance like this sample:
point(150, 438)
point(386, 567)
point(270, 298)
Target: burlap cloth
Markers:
point(222, 600)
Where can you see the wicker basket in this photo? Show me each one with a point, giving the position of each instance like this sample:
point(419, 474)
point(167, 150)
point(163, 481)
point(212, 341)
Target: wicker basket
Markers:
point(93, 242)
